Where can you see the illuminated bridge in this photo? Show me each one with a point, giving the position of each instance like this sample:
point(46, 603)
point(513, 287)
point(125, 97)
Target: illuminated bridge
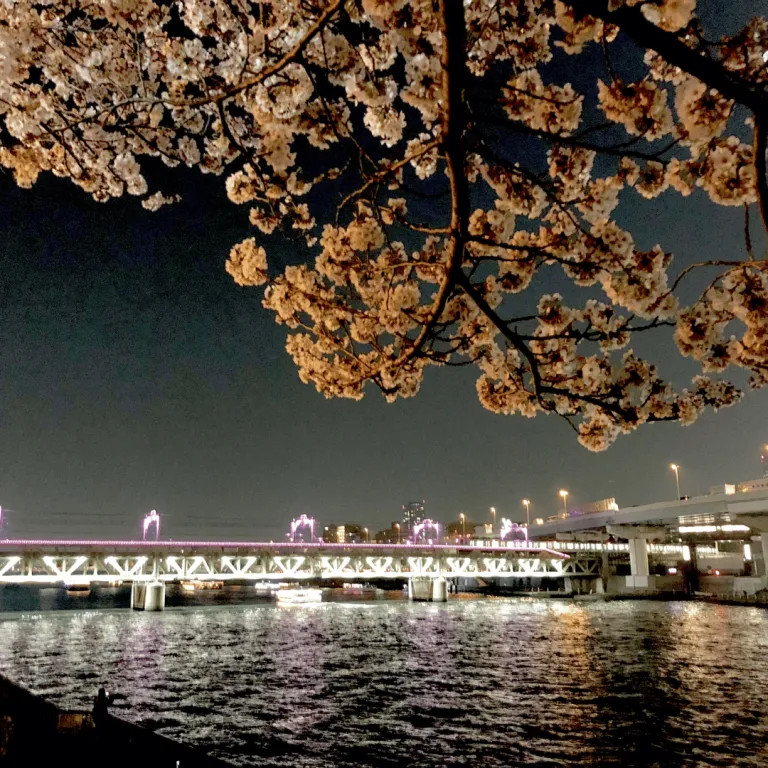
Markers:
point(88, 562)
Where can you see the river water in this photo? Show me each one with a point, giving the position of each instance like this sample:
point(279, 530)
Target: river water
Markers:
point(484, 682)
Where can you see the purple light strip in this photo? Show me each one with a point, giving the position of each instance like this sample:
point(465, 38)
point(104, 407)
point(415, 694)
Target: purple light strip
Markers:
point(175, 545)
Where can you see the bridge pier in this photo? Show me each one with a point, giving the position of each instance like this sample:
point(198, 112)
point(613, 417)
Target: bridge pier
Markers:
point(427, 589)
point(148, 596)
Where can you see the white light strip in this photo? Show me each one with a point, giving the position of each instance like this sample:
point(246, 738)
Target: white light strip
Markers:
point(713, 528)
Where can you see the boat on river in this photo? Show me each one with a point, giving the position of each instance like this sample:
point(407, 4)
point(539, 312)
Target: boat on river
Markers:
point(196, 584)
point(297, 595)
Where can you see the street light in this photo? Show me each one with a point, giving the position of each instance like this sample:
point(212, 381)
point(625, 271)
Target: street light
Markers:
point(463, 519)
point(493, 512)
point(564, 496)
point(676, 469)
point(397, 525)
point(367, 535)
point(527, 504)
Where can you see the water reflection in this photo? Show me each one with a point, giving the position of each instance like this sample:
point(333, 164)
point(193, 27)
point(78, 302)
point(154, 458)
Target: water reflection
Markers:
point(484, 682)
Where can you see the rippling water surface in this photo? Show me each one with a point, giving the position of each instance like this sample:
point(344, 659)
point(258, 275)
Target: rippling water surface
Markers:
point(388, 683)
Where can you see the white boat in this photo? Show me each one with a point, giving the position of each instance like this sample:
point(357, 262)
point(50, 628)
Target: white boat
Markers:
point(295, 596)
point(266, 586)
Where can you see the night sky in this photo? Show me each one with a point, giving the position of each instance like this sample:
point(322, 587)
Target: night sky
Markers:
point(137, 375)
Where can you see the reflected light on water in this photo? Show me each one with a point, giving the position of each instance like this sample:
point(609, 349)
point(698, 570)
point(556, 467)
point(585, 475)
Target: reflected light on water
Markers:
point(470, 682)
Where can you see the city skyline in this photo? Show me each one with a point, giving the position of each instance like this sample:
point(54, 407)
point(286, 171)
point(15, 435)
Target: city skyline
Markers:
point(16, 525)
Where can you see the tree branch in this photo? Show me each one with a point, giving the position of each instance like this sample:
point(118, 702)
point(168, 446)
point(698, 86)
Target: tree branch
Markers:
point(517, 126)
point(453, 124)
point(632, 22)
point(267, 72)
point(761, 148)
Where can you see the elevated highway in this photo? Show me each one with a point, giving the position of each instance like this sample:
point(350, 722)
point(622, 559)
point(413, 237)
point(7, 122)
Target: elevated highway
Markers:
point(750, 509)
point(740, 515)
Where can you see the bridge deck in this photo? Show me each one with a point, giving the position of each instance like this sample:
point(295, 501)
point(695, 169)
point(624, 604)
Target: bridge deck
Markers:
point(84, 561)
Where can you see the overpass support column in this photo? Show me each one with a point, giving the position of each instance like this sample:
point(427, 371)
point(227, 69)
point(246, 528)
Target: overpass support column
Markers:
point(638, 565)
point(764, 543)
point(638, 557)
point(637, 538)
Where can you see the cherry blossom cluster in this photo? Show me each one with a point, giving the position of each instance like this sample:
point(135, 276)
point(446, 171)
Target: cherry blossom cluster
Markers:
point(434, 166)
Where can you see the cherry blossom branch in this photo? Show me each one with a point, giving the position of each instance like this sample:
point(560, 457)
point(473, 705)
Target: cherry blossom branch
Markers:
point(671, 47)
point(517, 126)
point(513, 338)
point(385, 172)
point(606, 403)
point(267, 72)
point(759, 265)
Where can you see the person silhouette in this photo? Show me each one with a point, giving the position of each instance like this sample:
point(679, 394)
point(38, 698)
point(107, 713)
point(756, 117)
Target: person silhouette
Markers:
point(101, 706)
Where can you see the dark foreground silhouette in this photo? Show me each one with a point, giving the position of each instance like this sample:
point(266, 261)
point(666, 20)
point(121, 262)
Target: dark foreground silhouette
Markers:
point(35, 732)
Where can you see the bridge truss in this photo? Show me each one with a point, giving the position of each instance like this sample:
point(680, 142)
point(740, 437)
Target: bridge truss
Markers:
point(94, 562)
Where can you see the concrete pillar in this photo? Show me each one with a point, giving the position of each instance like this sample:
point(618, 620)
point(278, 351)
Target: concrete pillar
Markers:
point(638, 557)
point(637, 537)
point(420, 589)
point(155, 600)
point(764, 542)
point(567, 584)
point(148, 597)
point(425, 589)
point(138, 593)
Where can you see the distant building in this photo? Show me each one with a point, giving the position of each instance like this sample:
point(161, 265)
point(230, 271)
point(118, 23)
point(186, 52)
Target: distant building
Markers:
point(391, 535)
point(458, 530)
point(344, 533)
point(414, 512)
point(753, 485)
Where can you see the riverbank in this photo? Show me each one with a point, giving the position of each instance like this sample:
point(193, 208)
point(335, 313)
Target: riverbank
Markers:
point(35, 732)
